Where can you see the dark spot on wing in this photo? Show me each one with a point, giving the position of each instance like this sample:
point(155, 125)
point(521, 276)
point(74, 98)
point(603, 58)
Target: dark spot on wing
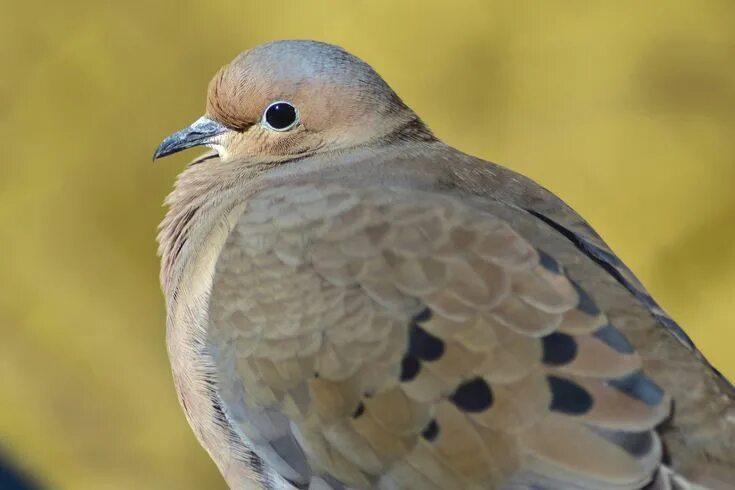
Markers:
point(585, 304)
point(559, 349)
point(431, 431)
point(359, 410)
point(640, 387)
point(410, 367)
point(473, 395)
point(548, 262)
point(568, 397)
point(613, 338)
point(422, 317)
point(423, 345)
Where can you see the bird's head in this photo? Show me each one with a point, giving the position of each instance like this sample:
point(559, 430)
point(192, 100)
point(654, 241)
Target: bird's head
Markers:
point(288, 99)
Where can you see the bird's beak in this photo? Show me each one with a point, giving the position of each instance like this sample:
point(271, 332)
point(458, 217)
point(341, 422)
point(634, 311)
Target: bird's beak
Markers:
point(201, 132)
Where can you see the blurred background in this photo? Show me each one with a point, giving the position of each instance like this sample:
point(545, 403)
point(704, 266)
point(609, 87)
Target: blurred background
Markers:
point(626, 109)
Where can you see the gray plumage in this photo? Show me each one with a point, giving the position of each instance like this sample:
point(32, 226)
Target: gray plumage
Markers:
point(354, 304)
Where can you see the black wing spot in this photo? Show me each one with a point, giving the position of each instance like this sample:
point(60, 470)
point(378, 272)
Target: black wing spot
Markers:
point(568, 397)
point(423, 316)
point(640, 387)
point(548, 262)
point(359, 410)
point(423, 345)
point(559, 349)
point(431, 431)
point(474, 395)
point(613, 338)
point(410, 367)
point(585, 301)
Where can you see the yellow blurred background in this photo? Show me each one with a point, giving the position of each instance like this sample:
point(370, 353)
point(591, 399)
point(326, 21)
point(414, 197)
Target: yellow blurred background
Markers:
point(626, 109)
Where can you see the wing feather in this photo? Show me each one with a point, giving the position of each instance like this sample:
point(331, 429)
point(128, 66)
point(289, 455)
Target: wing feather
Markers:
point(412, 336)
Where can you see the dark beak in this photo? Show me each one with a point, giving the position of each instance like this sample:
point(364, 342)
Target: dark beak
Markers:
point(201, 132)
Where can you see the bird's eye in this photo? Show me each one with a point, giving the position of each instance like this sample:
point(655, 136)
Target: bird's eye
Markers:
point(280, 116)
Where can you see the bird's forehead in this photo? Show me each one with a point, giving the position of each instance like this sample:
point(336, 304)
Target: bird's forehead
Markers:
point(295, 61)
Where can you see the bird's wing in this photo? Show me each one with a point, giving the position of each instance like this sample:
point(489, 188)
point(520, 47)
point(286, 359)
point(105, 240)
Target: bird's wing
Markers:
point(401, 338)
point(564, 220)
point(700, 436)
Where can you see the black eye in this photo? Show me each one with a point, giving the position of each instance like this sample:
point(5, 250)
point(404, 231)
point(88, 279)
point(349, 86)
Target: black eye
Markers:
point(280, 116)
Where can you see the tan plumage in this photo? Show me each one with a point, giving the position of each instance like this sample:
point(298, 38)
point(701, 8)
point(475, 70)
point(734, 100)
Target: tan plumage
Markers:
point(354, 304)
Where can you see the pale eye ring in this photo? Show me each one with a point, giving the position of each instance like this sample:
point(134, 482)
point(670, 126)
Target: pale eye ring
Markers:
point(280, 116)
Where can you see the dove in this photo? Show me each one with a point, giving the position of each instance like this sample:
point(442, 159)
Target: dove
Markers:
point(352, 303)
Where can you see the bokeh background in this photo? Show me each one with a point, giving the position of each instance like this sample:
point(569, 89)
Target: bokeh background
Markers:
point(626, 109)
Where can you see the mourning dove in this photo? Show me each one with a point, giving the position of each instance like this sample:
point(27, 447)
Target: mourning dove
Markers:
point(354, 304)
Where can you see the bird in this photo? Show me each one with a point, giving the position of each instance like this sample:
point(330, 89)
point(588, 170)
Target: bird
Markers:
point(354, 304)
